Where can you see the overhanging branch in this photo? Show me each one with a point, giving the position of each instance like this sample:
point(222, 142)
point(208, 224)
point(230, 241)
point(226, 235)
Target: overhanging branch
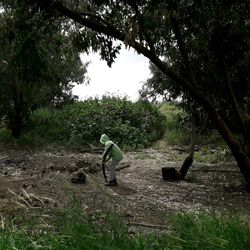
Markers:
point(91, 23)
point(183, 50)
point(111, 31)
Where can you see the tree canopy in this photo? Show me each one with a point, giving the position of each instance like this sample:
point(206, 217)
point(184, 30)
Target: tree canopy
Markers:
point(38, 63)
point(218, 49)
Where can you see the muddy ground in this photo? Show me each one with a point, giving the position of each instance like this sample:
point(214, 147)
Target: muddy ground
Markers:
point(42, 180)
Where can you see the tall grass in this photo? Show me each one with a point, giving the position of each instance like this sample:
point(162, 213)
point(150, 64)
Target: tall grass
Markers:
point(212, 147)
point(188, 231)
point(175, 132)
point(204, 231)
point(72, 230)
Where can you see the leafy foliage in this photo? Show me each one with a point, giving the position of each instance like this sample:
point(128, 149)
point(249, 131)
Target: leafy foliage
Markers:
point(218, 56)
point(129, 124)
point(38, 65)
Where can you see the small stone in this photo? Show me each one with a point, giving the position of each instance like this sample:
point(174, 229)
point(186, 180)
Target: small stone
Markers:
point(129, 215)
point(78, 177)
point(72, 168)
point(57, 168)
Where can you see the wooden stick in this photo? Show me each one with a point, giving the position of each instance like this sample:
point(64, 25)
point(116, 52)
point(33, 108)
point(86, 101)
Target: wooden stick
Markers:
point(122, 166)
point(214, 170)
point(147, 225)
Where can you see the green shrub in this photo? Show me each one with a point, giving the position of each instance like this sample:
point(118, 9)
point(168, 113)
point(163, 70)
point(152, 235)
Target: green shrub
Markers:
point(51, 125)
point(5, 135)
point(131, 125)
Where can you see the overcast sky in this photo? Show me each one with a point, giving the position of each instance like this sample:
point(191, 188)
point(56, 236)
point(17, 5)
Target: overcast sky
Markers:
point(125, 77)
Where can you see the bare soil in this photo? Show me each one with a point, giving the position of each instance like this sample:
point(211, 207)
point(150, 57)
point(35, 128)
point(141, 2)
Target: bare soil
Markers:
point(32, 179)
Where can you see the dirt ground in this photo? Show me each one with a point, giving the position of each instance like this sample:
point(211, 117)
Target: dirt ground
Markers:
point(42, 180)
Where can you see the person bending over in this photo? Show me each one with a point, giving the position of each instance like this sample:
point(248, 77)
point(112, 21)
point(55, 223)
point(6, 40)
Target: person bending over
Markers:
point(113, 152)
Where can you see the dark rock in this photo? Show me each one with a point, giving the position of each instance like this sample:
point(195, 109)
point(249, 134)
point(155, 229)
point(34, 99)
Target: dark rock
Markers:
point(72, 168)
point(169, 173)
point(57, 168)
point(89, 166)
point(94, 168)
point(78, 177)
point(84, 164)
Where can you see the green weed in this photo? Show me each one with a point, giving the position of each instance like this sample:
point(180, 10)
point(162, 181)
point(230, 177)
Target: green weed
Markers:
point(175, 132)
point(204, 231)
point(71, 229)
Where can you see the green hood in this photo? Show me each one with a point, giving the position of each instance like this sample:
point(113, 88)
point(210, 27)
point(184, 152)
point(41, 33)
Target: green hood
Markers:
point(104, 138)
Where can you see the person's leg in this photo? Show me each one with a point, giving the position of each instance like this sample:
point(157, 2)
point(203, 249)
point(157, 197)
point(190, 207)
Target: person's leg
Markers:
point(112, 172)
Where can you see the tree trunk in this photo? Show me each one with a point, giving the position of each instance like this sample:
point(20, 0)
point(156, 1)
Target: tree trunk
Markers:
point(172, 173)
point(15, 124)
point(16, 130)
point(243, 161)
point(241, 156)
point(16, 117)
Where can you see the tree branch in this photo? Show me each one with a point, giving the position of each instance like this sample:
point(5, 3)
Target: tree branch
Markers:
point(98, 18)
point(111, 31)
point(142, 224)
point(106, 29)
point(148, 39)
point(183, 50)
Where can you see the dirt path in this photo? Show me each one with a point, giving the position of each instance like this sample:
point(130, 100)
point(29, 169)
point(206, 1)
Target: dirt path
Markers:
point(41, 180)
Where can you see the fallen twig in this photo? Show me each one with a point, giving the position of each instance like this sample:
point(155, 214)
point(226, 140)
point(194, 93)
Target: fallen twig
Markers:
point(147, 225)
point(215, 170)
point(20, 198)
point(122, 166)
point(89, 149)
point(2, 222)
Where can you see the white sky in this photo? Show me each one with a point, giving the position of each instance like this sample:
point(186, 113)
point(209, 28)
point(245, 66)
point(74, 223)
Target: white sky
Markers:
point(125, 77)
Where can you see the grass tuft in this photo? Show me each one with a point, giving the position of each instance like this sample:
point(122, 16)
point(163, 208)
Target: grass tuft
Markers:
point(203, 231)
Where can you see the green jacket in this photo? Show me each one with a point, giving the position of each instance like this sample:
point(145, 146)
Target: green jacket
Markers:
point(115, 152)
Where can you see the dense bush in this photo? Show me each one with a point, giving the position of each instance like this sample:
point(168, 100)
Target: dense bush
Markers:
point(129, 124)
